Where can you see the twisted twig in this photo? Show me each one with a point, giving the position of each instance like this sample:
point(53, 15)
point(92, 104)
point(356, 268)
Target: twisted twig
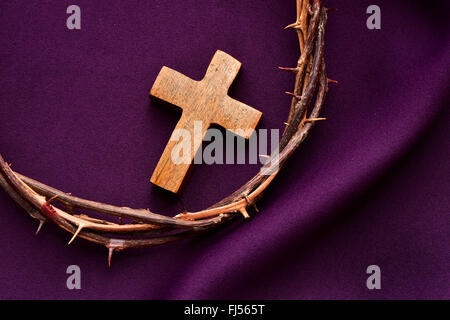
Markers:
point(310, 83)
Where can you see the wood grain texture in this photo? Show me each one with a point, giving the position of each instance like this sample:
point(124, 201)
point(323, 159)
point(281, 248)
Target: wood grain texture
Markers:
point(205, 101)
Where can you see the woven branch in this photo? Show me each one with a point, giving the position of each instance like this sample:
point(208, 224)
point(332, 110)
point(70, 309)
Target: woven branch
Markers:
point(148, 228)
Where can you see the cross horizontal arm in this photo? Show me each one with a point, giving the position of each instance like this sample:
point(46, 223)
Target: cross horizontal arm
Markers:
point(173, 87)
point(237, 117)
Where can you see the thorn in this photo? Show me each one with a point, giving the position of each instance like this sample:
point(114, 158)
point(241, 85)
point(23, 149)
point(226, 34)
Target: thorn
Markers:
point(332, 9)
point(332, 81)
point(244, 212)
point(110, 253)
point(52, 199)
point(294, 70)
point(250, 203)
point(286, 124)
point(310, 11)
point(294, 25)
point(183, 206)
point(264, 156)
point(41, 223)
point(315, 119)
point(80, 227)
point(293, 95)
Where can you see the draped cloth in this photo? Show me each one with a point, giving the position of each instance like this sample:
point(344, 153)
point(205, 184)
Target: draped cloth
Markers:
point(370, 186)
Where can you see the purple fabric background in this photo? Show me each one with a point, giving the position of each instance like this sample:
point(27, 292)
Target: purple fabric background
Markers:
point(369, 186)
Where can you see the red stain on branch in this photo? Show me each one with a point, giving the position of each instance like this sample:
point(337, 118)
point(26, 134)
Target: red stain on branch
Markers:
point(48, 210)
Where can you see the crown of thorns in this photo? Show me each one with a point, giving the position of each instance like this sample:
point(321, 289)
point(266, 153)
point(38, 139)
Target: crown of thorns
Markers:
point(147, 228)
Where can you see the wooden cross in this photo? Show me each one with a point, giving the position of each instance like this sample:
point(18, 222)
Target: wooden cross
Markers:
point(206, 101)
